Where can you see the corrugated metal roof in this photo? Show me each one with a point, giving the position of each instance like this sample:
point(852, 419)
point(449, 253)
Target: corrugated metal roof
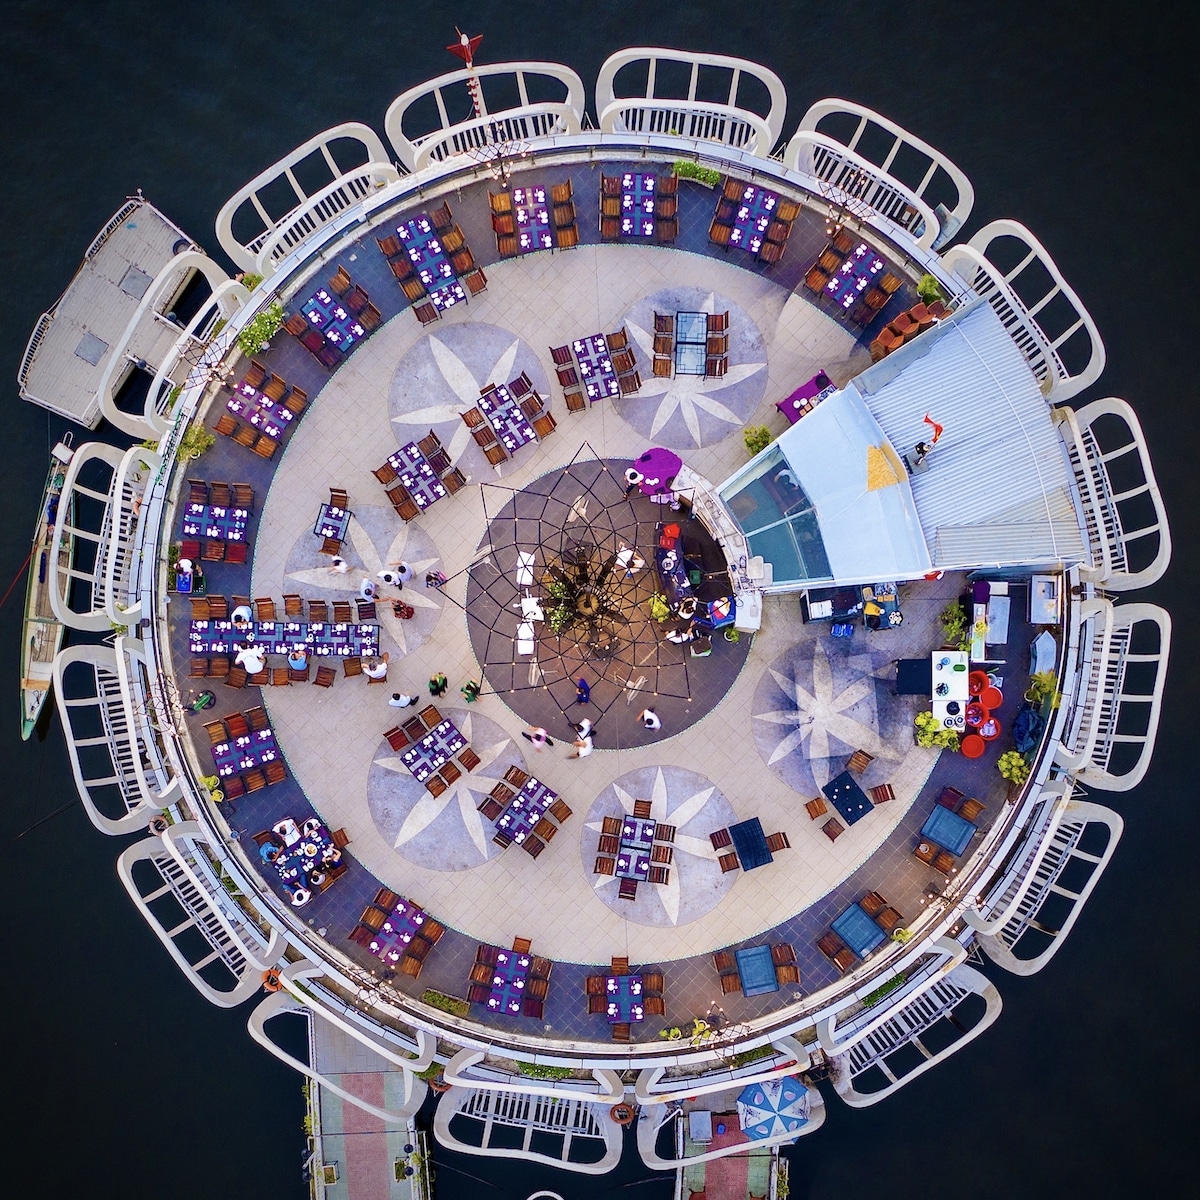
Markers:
point(998, 487)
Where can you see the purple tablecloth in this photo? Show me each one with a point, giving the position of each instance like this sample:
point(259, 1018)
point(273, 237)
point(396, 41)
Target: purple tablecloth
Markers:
point(434, 268)
point(417, 475)
point(531, 211)
point(392, 938)
point(332, 522)
point(506, 418)
point(327, 313)
point(595, 366)
point(321, 638)
point(755, 212)
point(211, 521)
point(240, 754)
point(858, 272)
point(434, 750)
point(509, 973)
point(261, 411)
point(624, 995)
point(637, 204)
point(525, 810)
point(802, 399)
point(312, 851)
point(659, 467)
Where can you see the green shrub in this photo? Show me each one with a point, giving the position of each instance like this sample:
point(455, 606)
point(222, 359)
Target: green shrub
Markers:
point(931, 733)
point(883, 989)
point(690, 170)
point(953, 620)
point(1013, 767)
point(196, 441)
point(929, 289)
point(746, 1057)
point(541, 1071)
point(450, 1004)
point(756, 438)
point(262, 328)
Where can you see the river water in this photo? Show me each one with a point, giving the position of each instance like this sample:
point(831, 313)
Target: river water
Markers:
point(1069, 117)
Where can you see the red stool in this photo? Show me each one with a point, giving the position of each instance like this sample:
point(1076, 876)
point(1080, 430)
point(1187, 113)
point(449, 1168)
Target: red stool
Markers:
point(972, 746)
point(991, 698)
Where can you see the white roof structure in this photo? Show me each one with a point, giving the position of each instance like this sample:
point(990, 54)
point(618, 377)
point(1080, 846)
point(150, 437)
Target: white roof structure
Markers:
point(998, 488)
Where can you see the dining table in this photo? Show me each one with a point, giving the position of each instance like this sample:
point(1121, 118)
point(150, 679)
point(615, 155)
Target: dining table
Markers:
point(225, 524)
point(299, 859)
point(528, 805)
point(754, 213)
point(434, 750)
point(504, 415)
point(332, 522)
point(691, 343)
point(336, 323)
point(638, 195)
point(427, 254)
point(756, 970)
point(851, 802)
point(806, 397)
point(271, 416)
point(658, 467)
point(253, 749)
point(392, 938)
point(668, 559)
point(322, 638)
point(948, 829)
point(510, 973)
point(414, 471)
point(596, 371)
point(623, 994)
point(531, 215)
point(858, 931)
point(750, 843)
point(859, 270)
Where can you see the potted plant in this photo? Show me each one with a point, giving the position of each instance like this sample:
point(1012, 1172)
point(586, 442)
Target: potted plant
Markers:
point(196, 441)
point(756, 438)
point(705, 176)
point(261, 328)
point(930, 733)
point(1013, 767)
point(1042, 686)
point(929, 289)
point(953, 619)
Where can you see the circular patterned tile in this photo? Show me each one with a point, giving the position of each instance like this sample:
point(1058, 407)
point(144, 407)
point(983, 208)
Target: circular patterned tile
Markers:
point(441, 375)
point(446, 832)
point(689, 411)
point(815, 705)
point(372, 541)
point(696, 808)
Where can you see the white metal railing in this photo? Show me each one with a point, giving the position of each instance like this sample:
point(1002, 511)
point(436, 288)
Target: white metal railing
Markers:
point(904, 1028)
point(931, 161)
point(728, 123)
point(31, 348)
point(1018, 298)
point(243, 253)
point(515, 125)
point(1109, 540)
point(1060, 850)
point(113, 223)
point(565, 112)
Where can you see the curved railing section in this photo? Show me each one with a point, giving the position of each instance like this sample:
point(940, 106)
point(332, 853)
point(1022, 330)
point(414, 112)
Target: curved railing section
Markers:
point(727, 123)
point(853, 187)
point(107, 736)
point(883, 1053)
point(178, 364)
point(1108, 512)
point(1023, 928)
point(603, 1086)
point(525, 121)
point(325, 203)
point(902, 151)
point(174, 887)
point(573, 1120)
point(1021, 294)
point(1118, 696)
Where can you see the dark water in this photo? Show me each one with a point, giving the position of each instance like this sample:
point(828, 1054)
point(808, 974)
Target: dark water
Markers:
point(1073, 118)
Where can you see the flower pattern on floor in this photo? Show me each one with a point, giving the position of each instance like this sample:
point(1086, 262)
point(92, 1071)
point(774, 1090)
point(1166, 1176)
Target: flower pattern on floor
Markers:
point(446, 832)
point(441, 375)
point(695, 807)
point(689, 411)
point(372, 541)
point(815, 705)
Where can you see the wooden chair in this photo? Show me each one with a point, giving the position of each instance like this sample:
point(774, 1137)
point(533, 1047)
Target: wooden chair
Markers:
point(214, 551)
point(298, 674)
point(351, 666)
point(882, 793)
point(476, 281)
point(544, 425)
point(777, 842)
point(296, 324)
point(951, 798)
point(642, 809)
point(971, 809)
point(496, 454)
point(630, 383)
point(515, 776)
point(816, 808)
point(342, 612)
point(500, 202)
point(664, 323)
point(611, 825)
point(389, 246)
point(833, 829)
point(943, 861)
point(469, 759)
point(925, 852)
point(521, 945)
point(318, 610)
point(243, 494)
point(454, 481)
point(442, 218)
point(731, 983)
point(340, 282)
point(427, 314)
point(718, 344)
point(783, 953)
point(370, 317)
point(787, 973)
point(831, 946)
point(787, 210)
point(816, 280)
point(654, 1006)
point(506, 243)
point(664, 833)
point(888, 919)
point(720, 838)
point(453, 240)
point(255, 780)
point(244, 435)
point(564, 216)
point(770, 253)
point(330, 545)
point(715, 367)
point(604, 865)
point(724, 962)
point(627, 890)
point(435, 785)
point(718, 234)
point(397, 738)
point(728, 862)
point(575, 400)
point(620, 1032)
point(860, 760)
point(325, 676)
point(533, 846)
point(480, 973)
point(872, 904)
point(609, 843)
point(410, 966)
point(662, 854)
point(659, 874)
point(545, 829)
point(502, 839)
point(265, 446)
point(451, 773)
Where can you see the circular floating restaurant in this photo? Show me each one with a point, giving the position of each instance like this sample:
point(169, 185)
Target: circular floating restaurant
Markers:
point(612, 612)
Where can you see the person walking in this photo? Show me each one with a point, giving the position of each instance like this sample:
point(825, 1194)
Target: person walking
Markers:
point(339, 565)
point(583, 747)
point(583, 691)
point(367, 590)
point(584, 728)
point(438, 684)
point(401, 700)
point(470, 691)
point(538, 737)
point(649, 719)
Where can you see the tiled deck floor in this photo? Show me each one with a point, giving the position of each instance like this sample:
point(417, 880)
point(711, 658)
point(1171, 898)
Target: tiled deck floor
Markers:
point(332, 738)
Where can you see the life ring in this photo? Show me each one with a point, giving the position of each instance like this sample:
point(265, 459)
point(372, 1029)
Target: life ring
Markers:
point(159, 826)
point(623, 1114)
point(271, 981)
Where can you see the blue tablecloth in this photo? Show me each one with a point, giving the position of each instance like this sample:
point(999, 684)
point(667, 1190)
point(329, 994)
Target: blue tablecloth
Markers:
point(751, 844)
point(332, 522)
point(756, 970)
point(595, 367)
point(507, 420)
point(847, 797)
point(509, 973)
point(278, 637)
point(434, 750)
point(211, 521)
point(526, 809)
point(858, 931)
point(624, 994)
point(637, 204)
point(948, 830)
point(531, 210)
point(336, 323)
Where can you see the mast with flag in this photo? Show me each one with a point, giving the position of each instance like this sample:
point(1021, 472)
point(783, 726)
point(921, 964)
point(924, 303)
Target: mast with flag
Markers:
point(465, 49)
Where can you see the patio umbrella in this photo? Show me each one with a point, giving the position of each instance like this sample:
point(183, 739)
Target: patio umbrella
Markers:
point(768, 1109)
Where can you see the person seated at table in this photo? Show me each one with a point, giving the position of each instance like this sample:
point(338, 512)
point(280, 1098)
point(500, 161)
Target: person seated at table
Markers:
point(300, 895)
point(681, 637)
point(253, 658)
point(632, 479)
point(310, 827)
point(268, 852)
point(687, 607)
point(377, 668)
point(241, 617)
point(316, 878)
point(297, 658)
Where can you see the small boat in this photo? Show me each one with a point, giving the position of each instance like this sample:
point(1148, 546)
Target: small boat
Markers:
point(42, 632)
